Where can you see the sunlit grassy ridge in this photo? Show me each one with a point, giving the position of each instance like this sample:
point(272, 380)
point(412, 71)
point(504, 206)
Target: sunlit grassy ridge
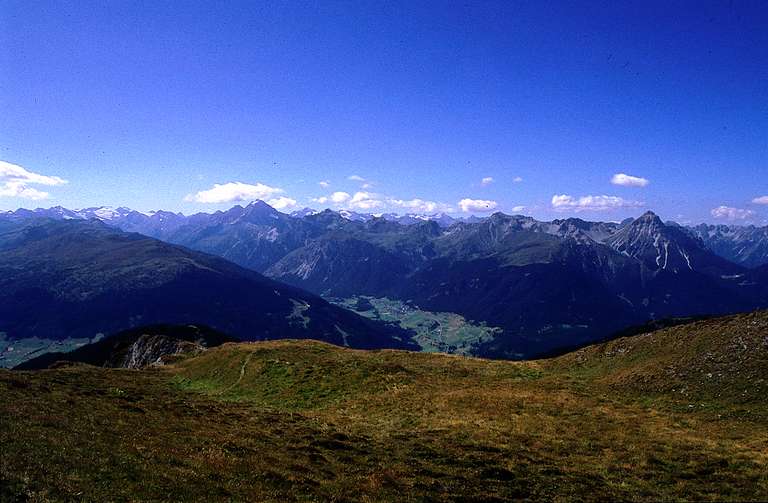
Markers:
point(298, 375)
point(302, 420)
point(720, 362)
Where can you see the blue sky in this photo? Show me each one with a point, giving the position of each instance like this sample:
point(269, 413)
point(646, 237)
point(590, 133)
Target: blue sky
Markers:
point(151, 104)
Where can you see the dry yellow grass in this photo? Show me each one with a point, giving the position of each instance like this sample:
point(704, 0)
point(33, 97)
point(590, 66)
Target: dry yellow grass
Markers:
point(306, 421)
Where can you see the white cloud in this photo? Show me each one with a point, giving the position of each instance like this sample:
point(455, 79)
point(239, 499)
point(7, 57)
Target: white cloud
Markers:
point(486, 181)
point(336, 198)
point(760, 200)
point(564, 202)
point(339, 197)
point(233, 191)
point(518, 209)
point(629, 180)
point(365, 201)
point(517, 179)
point(324, 184)
point(18, 189)
point(364, 184)
point(282, 202)
point(15, 181)
point(731, 213)
point(421, 205)
point(14, 173)
point(478, 205)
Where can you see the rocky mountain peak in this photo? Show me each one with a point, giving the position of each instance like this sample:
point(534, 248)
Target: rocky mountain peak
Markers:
point(258, 204)
point(648, 218)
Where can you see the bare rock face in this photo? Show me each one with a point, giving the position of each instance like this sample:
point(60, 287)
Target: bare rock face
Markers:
point(153, 350)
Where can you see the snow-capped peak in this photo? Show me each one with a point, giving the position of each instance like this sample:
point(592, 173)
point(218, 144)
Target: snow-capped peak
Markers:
point(103, 212)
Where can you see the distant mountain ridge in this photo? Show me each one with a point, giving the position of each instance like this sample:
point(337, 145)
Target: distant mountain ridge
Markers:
point(743, 245)
point(254, 236)
point(120, 214)
point(546, 284)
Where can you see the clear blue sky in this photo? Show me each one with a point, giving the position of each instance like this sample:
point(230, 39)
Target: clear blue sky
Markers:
point(149, 104)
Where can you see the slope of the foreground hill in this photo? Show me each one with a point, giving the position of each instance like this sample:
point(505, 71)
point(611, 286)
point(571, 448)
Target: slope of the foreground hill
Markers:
point(136, 347)
point(73, 278)
point(304, 420)
point(717, 359)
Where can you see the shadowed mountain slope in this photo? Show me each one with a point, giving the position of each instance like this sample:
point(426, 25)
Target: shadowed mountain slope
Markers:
point(548, 285)
point(76, 278)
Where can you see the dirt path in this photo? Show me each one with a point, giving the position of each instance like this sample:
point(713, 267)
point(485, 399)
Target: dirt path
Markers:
point(242, 373)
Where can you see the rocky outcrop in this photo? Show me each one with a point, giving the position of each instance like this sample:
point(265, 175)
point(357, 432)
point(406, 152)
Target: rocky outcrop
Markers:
point(153, 349)
point(137, 348)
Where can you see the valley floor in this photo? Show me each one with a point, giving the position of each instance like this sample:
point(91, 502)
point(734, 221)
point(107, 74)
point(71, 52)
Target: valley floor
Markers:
point(14, 352)
point(432, 331)
point(306, 421)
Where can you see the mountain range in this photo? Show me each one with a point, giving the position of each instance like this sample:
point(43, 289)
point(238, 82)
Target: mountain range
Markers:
point(548, 285)
point(745, 245)
point(81, 278)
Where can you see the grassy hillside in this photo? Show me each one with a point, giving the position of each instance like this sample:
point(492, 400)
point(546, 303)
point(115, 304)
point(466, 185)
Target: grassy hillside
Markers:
point(306, 421)
point(714, 363)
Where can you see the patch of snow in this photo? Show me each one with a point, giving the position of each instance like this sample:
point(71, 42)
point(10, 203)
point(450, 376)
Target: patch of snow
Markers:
point(687, 258)
point(272, 235)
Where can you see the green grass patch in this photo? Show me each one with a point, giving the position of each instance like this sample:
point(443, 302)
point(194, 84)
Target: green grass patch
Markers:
point(433, 331)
